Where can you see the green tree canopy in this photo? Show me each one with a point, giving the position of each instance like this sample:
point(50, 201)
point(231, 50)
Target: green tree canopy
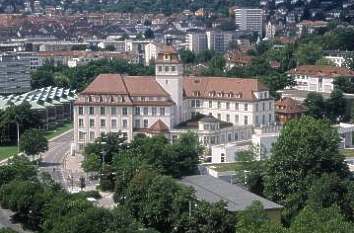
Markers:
point(33, 142)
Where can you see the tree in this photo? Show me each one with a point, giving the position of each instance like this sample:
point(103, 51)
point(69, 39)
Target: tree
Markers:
point(305, 148)
point(345, 84)
point(42, 78)
point(325, 62)
point(187, 56)
point(33, 142)
point(205, 217)
point(254, 219)
point(308, 53)
point(336, 106)
point(315, 105)
point(318, 221)
point(277, 81)
point(102, 150)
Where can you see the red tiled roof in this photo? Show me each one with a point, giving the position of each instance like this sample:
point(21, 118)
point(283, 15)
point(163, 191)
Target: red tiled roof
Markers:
point(288, 105)
point(221, 87)
point(143, 86)
point(322, 71)
point(107, 84)
point(158, 127)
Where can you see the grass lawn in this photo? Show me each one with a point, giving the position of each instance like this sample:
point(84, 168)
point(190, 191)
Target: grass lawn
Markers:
point(348, 153)
point(7, 151)
point(55, 132)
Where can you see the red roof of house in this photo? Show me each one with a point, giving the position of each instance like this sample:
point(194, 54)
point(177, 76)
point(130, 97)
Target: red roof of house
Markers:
point(158, 127)
point(288, 105)
point(322, 71)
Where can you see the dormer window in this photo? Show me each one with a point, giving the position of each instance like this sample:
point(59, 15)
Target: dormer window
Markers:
point(196, 93)
point(112, 99)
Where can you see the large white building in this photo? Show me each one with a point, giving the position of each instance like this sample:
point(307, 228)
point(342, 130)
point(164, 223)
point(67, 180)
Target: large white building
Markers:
point(224, 112)
point(249, 20)
point(219, 41)
point(318, 78)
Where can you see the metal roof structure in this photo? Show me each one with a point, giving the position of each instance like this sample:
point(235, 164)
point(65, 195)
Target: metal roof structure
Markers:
point(212, 190)
point(40, 99)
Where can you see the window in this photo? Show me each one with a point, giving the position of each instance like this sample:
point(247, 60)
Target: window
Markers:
point(246, 107)
point(263, 119)
point(227, 105)
point(160, 68)
point(173, 68)
point(237, 119)
point(237, 106)
point(92, 111)
point(210, 104)
point(270, 105)
point(229, 137)
point(245, 120)
point(219, 104)
point(114, 111)
point(222, 158)
point(263, 106)
point(162, 111)
point(81, 110)
point(167, 69)
point(81, 122)
point(92, 123)
point(146, 110)
point(81, 136)
point(125, 111)
point(257, 107)
point(125, 124)
point(219, 116)
point(103, 110)
point(236, 136)
point(137, 124)
point(114, 124)
point(197, 103)
point(228, 117)
point(103, 123)
point(206, 126)
point(92, 136)
point(146, 123)
point(153, 111)
point(137, 110)
point(270, 118)
point(257, 120)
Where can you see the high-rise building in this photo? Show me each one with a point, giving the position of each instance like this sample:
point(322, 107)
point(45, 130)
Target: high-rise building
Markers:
point(197, 41)
point(14, 73)
point(249, 19)
point(218, 41)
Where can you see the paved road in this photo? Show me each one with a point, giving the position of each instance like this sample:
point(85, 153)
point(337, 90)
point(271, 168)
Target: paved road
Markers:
point(52, 160)
point(5, 222)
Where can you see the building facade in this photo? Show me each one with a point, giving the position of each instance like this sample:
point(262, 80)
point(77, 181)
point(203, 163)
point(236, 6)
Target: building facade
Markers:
point(250, 20)
point(197, 42)
point(221, 111)
point(318, 78)
point(15, 74)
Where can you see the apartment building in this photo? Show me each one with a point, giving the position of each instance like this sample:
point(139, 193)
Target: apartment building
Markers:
point(197, 41)
point(318, 78)
point(249, 20)
point(15, 74)
point(222, 111)
point(219, 41)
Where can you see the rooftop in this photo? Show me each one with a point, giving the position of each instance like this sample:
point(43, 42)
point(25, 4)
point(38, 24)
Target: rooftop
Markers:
point(322, 71)
point(212, 190)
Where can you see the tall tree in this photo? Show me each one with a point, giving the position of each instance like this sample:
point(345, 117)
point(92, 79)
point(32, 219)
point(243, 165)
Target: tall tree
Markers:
point(33, 142)
point(305, 147)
